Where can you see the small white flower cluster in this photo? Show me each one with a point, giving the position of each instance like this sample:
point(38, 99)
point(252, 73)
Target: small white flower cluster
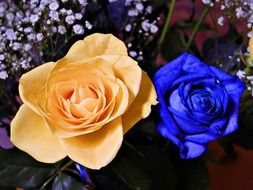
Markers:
point(247, 79)
point(243, 9)
point(27, 27)
point(146, 28)
point(135, 7)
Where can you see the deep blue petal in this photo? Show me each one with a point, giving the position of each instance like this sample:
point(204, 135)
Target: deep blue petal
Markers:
point(217, 127)
point(201, 138)
point(192, 150)
point(165, 131)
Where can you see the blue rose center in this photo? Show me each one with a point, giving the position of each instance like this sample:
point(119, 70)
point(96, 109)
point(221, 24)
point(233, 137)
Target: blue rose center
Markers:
point(201, 100)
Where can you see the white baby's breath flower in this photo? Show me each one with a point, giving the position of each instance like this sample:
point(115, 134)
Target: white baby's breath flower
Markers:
point(28, 29)
point(153, 28)
point(39, 36)
point(78, 16)
point(54, 6)
point(34, 18)
point(2, 57)
point(88, 25)
point(70, 19)
point(206, 2)
point(221, 21)
point(27, 47)
point(83, 2)
point(16, 46)
point(54, 15)
point(3, 75)
point(10, 34)
point(78, 29)
point(241, 74)
point(133, 53)
point(139, 6)
point(128, 28)
point(62, 29)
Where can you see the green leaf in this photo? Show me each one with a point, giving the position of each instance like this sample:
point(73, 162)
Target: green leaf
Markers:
point(17, 169)
point(66, 182)
point(148, 169)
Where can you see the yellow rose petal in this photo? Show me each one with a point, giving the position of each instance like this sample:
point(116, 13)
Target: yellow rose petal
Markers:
point(141, 107)
point(127, 70)
point(97, 149)
point(30, 134)
point(251, 48)
point(31, 84)
point(98, 44)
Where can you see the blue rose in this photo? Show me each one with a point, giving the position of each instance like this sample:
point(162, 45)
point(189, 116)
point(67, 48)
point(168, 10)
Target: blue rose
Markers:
point(198, 103)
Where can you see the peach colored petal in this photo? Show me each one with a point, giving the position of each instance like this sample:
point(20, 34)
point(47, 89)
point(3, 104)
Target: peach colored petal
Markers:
point(141, 107)
point(251, 47)
point(32, 83)
point(30, 134)
point(97, 149)
point(66, 70)
point(98, 44)
point(127, 70)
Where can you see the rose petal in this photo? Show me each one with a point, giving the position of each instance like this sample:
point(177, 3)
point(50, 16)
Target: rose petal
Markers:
point(192, 150)
point(141, 107)
point(97, 149)
point(32, 83)
point(127, 70)
point(166, 133)
point(201, 138)
point(251, 48)
point(30, 134)
point(98, 44)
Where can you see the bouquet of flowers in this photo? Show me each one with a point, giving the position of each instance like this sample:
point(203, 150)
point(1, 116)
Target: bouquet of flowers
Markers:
point(122, 94)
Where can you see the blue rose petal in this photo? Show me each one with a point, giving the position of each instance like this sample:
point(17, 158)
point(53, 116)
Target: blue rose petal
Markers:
point(192, 150)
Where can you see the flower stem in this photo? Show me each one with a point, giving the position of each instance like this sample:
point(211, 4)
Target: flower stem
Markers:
point(166, 25)
point(196, 28)
point(56, 173)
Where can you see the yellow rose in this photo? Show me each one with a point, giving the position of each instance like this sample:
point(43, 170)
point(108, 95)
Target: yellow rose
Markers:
point(81, 105)
point(251, 47)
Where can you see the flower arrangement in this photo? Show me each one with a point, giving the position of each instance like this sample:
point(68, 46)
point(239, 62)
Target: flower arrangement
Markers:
point(122, 94)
